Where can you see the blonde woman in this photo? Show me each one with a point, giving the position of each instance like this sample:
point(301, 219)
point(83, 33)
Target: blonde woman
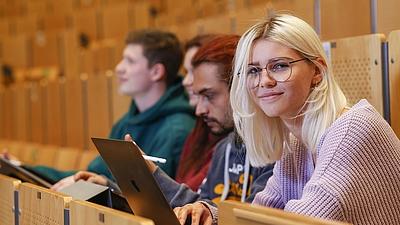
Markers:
point(332, 161)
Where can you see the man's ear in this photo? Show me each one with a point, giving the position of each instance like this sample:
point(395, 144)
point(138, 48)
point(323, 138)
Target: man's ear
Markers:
point(318, 76)
point(157, 72)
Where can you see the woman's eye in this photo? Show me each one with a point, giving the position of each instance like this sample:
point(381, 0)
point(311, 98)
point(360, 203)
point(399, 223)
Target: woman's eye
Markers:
point(279, 66)
point(253, 71)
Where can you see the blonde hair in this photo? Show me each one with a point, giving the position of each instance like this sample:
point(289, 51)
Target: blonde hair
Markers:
point(265, 137)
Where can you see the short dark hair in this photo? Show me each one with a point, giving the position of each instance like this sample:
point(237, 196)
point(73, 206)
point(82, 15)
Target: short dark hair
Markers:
point(159, 47)
point(198, 41)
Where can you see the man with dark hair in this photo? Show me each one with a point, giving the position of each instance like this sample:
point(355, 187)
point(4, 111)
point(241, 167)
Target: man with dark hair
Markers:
point(160, 117)
point(230, 176)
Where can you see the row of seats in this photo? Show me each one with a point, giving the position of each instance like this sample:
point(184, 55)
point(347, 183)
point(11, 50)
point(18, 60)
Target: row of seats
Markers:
point(55, 39)
point(62, 112)
point(68, 41)
point(61, 158)
point(27, 204)
point(37, 205)
point(67, 112)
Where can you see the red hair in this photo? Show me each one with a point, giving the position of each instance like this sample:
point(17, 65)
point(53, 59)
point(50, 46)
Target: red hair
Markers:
point(219, 50)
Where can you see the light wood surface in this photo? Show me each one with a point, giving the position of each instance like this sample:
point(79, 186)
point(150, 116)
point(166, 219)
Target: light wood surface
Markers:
point(7, 187)
point(46, 155)
point(246, 16)
point(236, 213)
point(2, 122)
point(86, 158)
point(112, 15)
point(21, 110)
point(388, 16)
point(394, 75)
point(340, 20)
point(67, 158)
point(85, 22)
point(41, 206)
point(86, 213)
point(99, 107)
point(76, 124)
point(45, 48)
point(30, 153)
point(8, 115)
point(55, 116)
point(357, 67)
point(36, 117)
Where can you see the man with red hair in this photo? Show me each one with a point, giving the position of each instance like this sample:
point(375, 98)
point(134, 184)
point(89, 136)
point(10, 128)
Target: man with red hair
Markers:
point(230, 175)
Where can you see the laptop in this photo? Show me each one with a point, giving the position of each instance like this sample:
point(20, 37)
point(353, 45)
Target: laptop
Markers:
point(23, 173)
point(135, 180)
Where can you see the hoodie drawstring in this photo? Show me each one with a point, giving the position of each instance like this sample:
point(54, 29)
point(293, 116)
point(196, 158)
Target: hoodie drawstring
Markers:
point(226, 175)
point(246, 177)
point(226, 172)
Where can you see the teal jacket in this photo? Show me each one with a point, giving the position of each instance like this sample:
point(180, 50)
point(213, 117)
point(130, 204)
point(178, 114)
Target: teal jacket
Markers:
point(159, 131)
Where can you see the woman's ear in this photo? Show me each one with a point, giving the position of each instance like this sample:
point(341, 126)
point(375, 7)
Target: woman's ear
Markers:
point(318, 76)
point(157, 72)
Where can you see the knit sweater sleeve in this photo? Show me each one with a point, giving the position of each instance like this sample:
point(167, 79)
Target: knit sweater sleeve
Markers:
point(317, 202)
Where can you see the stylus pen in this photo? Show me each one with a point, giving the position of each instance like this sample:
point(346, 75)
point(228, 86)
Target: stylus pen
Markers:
point(154, 159)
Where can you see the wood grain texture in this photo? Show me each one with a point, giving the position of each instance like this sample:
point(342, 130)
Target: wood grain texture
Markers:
point(236, 213)
point(41, 206)
point(86, 213)
point(7, 187)
point(357, 67)
point(394, 75)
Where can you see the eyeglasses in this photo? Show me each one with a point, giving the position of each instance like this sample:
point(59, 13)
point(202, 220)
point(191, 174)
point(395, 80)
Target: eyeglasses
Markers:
point(279, 69)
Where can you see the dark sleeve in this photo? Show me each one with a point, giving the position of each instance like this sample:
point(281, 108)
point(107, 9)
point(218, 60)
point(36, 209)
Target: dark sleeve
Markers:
point(215, 173)
point(50, 173)
point(176, 194)
point(169, 142)
point(261, 176)
point(100, 167)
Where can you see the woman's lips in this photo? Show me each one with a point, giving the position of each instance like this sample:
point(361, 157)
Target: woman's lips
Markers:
point(270, 95)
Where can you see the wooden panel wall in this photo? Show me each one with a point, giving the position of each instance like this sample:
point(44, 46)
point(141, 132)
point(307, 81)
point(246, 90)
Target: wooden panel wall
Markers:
point(55, 113)
point(76, 123)
point(21, 109)
point(85, 21)
point(2, 112)
point(394, 75)
point(37, 101)
point(357, 67)
point(8, 115)
point(99, 105)
point(340, 20)
point(114, 21)
point(388, 16)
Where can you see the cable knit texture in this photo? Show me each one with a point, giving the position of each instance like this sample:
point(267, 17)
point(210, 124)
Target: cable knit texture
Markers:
point(356, 176)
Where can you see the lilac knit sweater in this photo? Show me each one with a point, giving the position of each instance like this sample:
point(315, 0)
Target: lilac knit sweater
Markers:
point(356, 176)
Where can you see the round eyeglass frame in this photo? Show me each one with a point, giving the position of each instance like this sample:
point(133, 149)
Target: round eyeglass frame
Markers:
point(280, 81)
